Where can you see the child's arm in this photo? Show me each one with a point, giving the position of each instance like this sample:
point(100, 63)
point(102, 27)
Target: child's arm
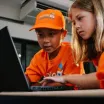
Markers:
point(85, 81)
point(33, 71)
point(100, 71)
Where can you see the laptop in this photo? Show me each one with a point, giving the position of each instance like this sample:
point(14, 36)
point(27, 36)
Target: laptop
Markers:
point(12, 77)
point(89, 67)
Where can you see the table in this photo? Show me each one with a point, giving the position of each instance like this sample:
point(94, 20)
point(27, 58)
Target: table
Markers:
point(70, 93)
point(95, 95)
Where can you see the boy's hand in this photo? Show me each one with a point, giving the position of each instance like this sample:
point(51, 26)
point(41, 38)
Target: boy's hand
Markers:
point(46, 82)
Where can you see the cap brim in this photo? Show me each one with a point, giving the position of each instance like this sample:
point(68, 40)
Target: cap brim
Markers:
point(44, 25)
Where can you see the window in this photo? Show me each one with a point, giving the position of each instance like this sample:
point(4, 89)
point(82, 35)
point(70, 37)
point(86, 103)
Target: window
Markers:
point(31, 49)
point(26, 49)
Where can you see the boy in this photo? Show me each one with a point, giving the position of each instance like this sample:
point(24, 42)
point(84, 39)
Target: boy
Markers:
point(55, 57)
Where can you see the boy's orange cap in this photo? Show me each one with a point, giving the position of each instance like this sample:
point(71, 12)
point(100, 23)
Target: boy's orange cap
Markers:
point(50, 18)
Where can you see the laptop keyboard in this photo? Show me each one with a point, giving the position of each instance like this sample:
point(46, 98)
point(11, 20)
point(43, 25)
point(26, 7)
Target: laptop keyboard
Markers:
point(51, 88)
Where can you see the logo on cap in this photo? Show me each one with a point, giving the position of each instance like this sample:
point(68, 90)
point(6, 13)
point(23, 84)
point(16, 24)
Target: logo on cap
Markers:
point(51, 16)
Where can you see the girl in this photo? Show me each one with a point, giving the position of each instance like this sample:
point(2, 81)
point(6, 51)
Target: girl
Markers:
point(87, 18)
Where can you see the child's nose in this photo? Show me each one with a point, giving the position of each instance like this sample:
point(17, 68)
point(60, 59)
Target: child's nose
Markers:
point(77, 25)
point(46, 39)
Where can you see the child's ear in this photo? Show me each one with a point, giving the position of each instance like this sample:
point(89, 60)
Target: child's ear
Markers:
point(64, 33)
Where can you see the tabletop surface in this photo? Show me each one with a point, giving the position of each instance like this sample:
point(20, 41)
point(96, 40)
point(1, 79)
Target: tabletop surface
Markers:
point(68, 93)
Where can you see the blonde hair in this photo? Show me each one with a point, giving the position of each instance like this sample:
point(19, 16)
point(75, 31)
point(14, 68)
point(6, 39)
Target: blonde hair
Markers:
point(80, 47)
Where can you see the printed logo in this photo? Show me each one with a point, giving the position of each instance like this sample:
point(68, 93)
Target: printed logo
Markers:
point(58, 73)
point(51, 16)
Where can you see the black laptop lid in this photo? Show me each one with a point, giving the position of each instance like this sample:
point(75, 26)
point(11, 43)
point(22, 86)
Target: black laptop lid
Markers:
point(10, 66)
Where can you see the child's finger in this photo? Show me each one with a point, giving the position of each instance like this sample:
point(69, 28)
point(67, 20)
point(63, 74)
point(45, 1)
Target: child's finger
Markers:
point(42, 81)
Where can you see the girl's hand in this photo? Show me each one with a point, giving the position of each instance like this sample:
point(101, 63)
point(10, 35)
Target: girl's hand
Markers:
point(59, 79)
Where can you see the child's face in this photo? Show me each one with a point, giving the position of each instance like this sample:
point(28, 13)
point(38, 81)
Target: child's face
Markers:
point(49, 39)
point(84, 22)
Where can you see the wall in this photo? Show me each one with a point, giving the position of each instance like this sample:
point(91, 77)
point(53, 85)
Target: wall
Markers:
point(22, 30)
point(19, 30)
point(11, 10)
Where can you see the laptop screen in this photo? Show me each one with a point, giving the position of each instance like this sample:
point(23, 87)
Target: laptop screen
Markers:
point(11, 71)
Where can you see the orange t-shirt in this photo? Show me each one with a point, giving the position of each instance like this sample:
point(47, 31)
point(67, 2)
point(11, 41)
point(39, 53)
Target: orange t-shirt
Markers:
point(62, 64)
point(100, 71)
